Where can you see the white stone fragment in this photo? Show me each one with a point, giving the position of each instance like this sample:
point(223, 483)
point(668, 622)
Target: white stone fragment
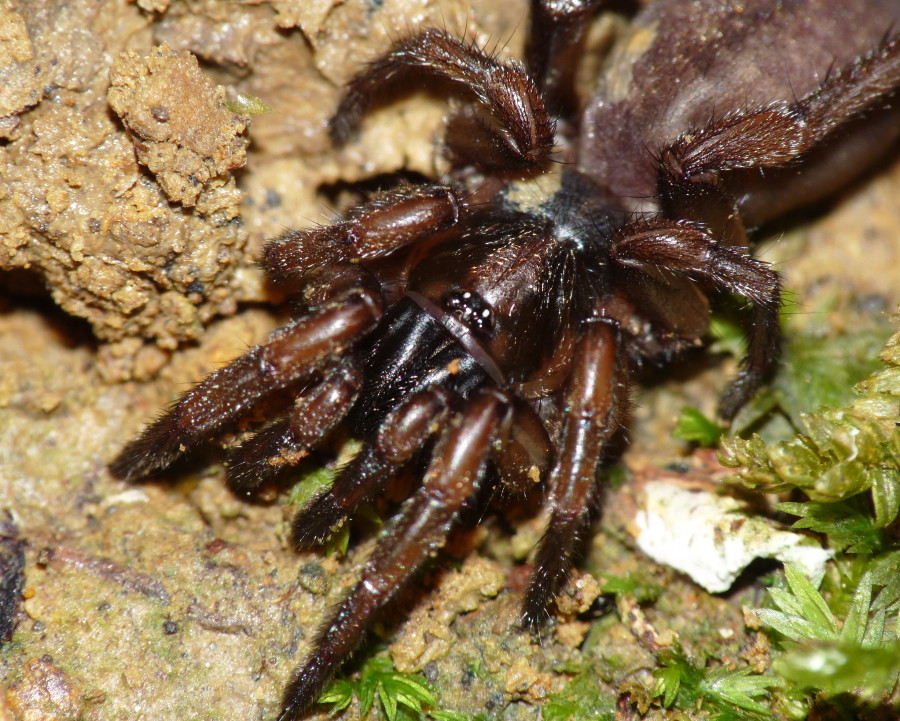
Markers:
point(710, 538)
point(132, 495)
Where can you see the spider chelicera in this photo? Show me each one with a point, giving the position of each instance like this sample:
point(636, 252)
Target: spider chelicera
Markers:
point(485, 325)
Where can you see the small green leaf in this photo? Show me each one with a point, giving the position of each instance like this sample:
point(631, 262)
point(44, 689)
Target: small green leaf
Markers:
point(813, 605)
point(449, 716)
point(794, 627)
point(739, 688)
point(668, 682)
point(694, 427)
point(414, 686)
point(365, 691)
point(339, 693)
point(388, 702)
point(848, 524)
point(885, 495)
point(854, 630)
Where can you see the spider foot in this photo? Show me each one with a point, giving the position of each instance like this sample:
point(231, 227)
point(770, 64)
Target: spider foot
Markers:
point(453, 477)
point(286, 358)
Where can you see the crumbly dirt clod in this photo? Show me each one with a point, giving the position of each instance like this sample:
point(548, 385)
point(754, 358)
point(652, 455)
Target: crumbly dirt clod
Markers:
point(429, 636)
point(140, 255)
point(191, 148)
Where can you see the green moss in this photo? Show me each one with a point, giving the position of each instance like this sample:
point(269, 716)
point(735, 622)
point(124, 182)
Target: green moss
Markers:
point(583, 699)
point(637, 585)
point(836, 648)
point(404, 696)
point(723, 692)
point(857, 653)
point(840, 452)
point(819, 367)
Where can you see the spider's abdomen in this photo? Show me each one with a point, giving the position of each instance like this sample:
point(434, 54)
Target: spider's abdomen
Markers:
point(669, 79)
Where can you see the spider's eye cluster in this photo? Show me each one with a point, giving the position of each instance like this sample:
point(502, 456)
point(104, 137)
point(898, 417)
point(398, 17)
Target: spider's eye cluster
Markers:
point(471, 309)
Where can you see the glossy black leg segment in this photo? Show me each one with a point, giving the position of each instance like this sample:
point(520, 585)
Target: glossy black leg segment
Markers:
point(286, 442)
point(594, 401)
point(456, 469)
point(687, 249)
point(403, 433)
point(525, 133)
point(554, 42)
point(285, 358)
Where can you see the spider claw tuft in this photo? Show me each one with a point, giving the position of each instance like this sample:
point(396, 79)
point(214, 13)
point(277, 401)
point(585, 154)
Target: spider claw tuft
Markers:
point(306, 688)
point(155, 449)
point(316, 523)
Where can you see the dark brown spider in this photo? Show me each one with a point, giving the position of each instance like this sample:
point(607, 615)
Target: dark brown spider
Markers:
point(487, 324)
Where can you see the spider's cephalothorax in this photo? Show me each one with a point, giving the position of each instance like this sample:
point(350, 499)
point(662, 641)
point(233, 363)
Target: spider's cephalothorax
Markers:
point(485, 325)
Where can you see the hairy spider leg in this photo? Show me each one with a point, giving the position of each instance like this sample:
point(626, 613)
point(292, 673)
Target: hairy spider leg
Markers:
point(327, 259)
point(693, 180)
point(285, 358)
point(689, 249)
point(404, 432)
point(391, 220)
point(777, 134)
point(848, 93)
point(315, 413)
point(520, 132)
point(522, 463)
point(453, 477)
point(593, 402)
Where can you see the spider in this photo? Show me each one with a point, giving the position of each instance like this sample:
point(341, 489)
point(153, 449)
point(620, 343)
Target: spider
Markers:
point(484, 327)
